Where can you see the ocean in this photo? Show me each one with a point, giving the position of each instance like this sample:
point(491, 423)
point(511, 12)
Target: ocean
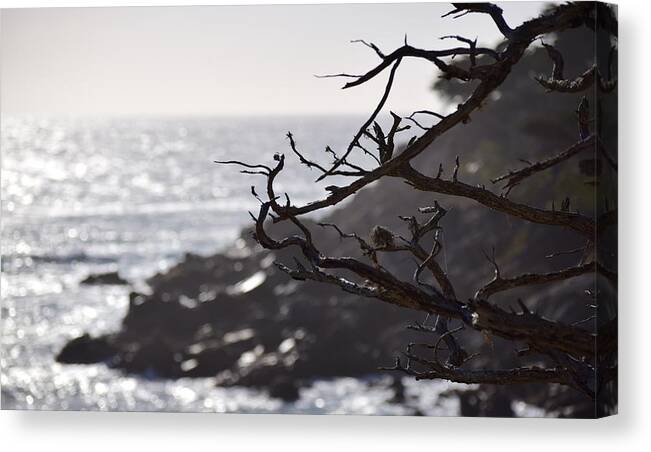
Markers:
point(83, 196)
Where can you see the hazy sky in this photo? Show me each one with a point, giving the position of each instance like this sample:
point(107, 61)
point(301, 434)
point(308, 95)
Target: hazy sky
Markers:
point(221, 59)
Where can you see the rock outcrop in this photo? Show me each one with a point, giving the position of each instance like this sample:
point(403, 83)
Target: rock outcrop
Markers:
point(109, 278)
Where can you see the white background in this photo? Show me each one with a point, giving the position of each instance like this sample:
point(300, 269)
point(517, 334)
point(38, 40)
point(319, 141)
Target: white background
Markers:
point(49, 431)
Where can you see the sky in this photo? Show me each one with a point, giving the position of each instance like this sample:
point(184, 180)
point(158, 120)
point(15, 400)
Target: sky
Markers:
point(222, 60)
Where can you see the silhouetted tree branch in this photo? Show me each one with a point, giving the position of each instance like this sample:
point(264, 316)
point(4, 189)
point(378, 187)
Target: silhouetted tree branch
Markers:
point(569, 349)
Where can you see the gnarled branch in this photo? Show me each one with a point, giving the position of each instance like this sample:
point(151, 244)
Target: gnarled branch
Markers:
point(570, 347)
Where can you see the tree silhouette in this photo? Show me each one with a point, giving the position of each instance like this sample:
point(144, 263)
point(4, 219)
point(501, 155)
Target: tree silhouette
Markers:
point(581, 355)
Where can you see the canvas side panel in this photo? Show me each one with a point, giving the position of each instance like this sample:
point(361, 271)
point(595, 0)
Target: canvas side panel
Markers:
point(606, 209)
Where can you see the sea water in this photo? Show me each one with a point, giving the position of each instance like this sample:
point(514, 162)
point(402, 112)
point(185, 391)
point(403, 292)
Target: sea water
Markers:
point(82, 196)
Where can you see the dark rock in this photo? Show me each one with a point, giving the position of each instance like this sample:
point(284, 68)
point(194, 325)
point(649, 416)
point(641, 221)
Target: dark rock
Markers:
point(211, 357)
point(87, 350)
point(470, 404)
point(497, 402)
point(109, 278)
point(486, 401)
point(398, 388)
point(154, 359)
point(284, 388)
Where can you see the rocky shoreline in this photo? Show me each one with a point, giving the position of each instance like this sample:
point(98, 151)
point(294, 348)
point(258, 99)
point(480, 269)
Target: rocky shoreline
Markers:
point(237, 317)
